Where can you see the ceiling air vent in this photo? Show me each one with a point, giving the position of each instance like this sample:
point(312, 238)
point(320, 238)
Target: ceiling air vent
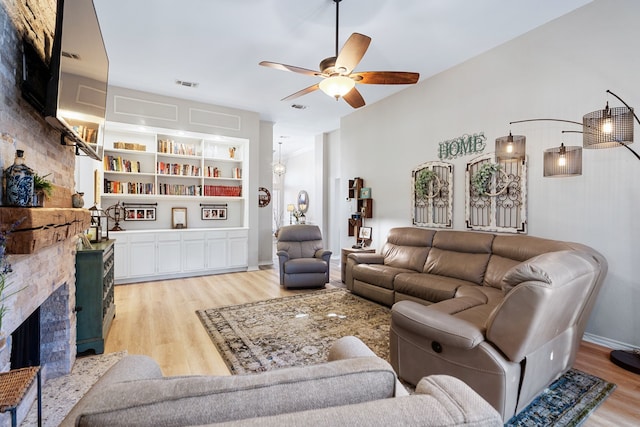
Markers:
point(186, 84)
point(71, 55)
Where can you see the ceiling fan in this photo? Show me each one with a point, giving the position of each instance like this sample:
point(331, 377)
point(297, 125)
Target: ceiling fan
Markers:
point(337, 72)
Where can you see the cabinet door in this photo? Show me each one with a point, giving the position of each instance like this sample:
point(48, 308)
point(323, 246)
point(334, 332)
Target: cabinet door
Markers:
point(142, 255)
point(193, 252)
point(169, 253)
point(238, 252)
point(216, 250)
point(121, 254)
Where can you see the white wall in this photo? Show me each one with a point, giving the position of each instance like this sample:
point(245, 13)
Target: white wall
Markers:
point(560, 70)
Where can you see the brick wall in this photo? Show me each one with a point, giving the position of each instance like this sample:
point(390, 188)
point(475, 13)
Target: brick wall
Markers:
point(49, 274)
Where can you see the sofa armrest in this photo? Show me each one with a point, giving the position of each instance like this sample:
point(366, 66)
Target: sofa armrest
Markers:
point(435, 325)
point(366, 258)
point(129, 368)
point(324, 254)
point(354, 259)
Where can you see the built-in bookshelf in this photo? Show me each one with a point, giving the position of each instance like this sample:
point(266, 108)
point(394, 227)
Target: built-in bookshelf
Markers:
point(158, 162)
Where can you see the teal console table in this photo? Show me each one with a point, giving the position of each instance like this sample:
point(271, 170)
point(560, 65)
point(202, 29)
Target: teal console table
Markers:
point(95, 307)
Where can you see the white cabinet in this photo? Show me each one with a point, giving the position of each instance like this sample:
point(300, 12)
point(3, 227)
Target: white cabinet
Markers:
point(169, 248)
point(238, 249)
point(165, 254)
point(142, 255)
point(121, 258)
point(217, 250)
point(193, 252)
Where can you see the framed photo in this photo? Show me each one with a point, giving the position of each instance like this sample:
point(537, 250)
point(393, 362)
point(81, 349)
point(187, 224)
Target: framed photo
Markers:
point(139, 214)
point(178, 217)
point(365, 233)
point(211, 213)
point(365, 193)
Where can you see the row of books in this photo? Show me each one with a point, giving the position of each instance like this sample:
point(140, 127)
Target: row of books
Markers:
point(213, 172)
point(120, 187)
point(163, 168)
point(179, 190)
point(169, 146)
point(118, 164)
point(222, 190)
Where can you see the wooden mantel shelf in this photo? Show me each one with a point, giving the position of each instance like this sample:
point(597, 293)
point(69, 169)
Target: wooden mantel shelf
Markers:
point(41, 227)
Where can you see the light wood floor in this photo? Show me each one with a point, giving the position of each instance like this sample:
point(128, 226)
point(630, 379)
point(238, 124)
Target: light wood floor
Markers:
point(158, 319)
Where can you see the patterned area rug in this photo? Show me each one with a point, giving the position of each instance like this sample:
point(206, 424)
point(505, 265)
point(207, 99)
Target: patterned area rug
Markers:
point(568, 401)
point(298, 330)
point(295, 330)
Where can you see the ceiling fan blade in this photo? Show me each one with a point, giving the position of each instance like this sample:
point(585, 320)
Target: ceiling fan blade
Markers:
point(352, 52)
point(354, 98)
point(386, 77)
point(302, 92)
point(291, 68)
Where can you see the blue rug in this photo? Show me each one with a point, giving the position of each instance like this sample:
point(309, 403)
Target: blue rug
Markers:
point(568, 401)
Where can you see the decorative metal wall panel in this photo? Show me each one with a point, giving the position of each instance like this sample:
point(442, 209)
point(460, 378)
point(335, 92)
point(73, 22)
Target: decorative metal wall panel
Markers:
point(432, 203)
point(500, 204)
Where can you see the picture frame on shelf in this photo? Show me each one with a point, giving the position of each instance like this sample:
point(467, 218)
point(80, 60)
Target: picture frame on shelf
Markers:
point(364, 233)
point(140, 214)
point(365, 193)
point(213, 213)
point(178, 217)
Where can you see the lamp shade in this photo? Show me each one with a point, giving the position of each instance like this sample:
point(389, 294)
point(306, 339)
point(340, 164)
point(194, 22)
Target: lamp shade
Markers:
point(337, 86)
point(607, 128)
point(511, 147)
point(563, 161)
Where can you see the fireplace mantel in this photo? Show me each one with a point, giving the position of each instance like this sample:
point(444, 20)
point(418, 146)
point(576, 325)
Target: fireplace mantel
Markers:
point(41, 227)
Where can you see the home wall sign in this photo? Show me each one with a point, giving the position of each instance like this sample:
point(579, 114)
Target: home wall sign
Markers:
point(462, 146)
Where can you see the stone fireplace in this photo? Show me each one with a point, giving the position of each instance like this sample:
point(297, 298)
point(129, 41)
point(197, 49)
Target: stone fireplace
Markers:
point(48, 274)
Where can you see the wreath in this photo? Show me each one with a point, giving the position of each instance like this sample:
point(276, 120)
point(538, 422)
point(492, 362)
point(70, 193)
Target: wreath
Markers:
point(483, 175)
point(423, 179)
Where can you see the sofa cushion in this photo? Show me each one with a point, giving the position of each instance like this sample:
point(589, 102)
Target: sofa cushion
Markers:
point(195, 400)
point(429, 287)
point(305, 265)
point(459, 265)
point(509, 251)
point(407, 247)
point(377, 274)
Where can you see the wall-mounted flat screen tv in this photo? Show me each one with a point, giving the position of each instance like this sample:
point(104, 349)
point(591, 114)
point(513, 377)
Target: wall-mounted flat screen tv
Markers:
point(77, 91)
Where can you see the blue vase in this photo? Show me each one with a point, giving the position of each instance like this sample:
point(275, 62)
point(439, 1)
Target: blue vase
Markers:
point(19, 182)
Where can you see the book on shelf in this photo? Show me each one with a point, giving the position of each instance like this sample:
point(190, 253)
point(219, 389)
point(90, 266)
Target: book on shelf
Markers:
point(169, 146)
point(123, 187)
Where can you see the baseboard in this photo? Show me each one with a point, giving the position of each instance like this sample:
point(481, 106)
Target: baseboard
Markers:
point(607, 342)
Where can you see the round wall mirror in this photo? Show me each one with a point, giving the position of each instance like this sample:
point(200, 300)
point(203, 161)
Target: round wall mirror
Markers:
point(303, 201)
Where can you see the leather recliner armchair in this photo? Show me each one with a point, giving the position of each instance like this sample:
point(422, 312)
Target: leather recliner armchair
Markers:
point(303, 261)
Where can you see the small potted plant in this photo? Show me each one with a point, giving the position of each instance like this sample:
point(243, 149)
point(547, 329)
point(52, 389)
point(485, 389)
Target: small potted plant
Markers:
point(42, 189)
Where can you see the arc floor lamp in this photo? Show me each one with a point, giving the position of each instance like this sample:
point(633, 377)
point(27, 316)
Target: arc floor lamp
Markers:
point(606, 128)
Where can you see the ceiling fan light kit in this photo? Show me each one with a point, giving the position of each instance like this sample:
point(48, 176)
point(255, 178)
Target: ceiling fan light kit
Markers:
point(339, 79)
point(337, 86)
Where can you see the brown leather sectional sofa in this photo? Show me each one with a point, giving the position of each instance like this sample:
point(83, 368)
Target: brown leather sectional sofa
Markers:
point(504, 313)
